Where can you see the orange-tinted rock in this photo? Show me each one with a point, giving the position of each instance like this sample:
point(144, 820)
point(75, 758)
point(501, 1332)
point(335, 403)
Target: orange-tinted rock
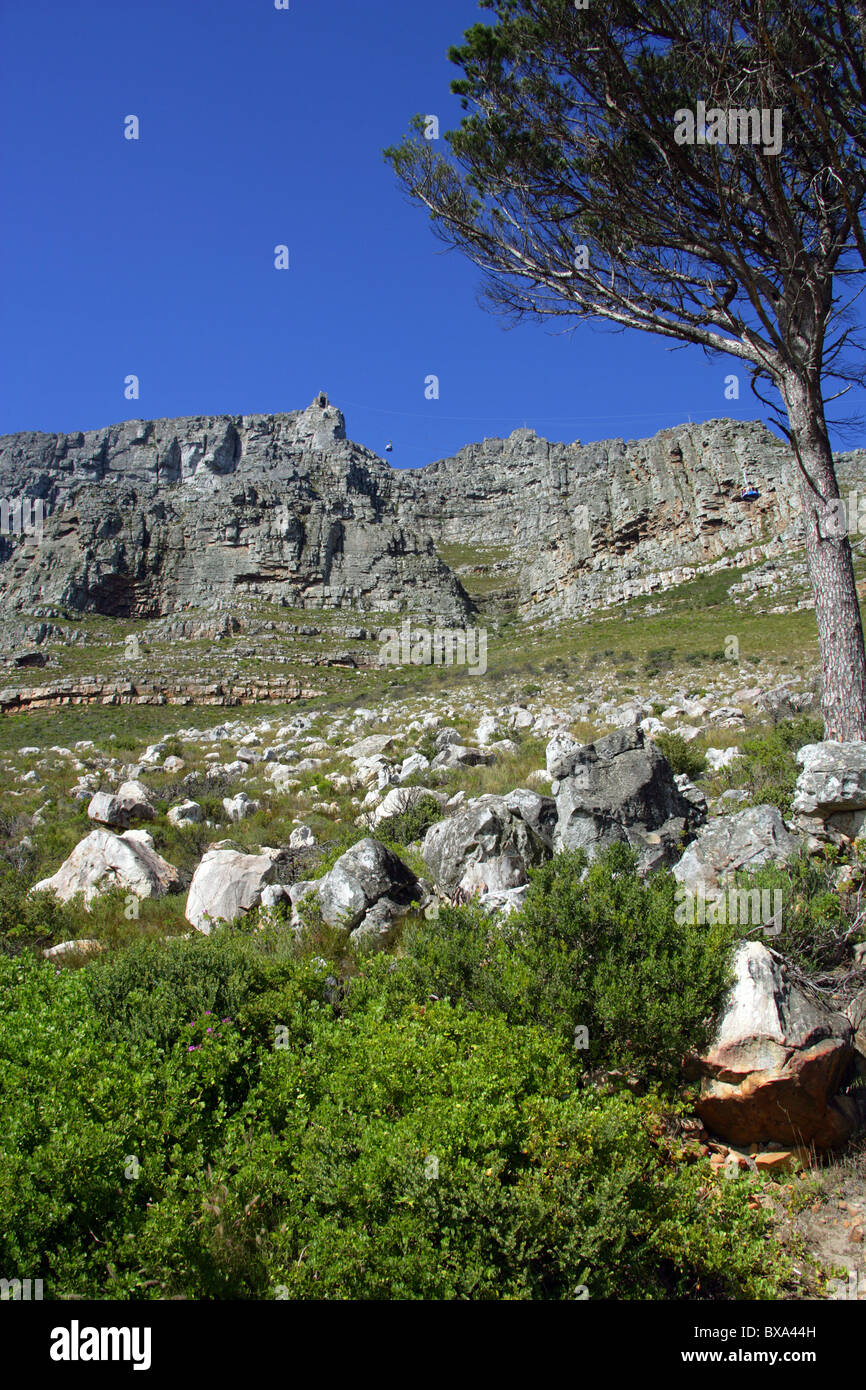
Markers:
point(776, 1062)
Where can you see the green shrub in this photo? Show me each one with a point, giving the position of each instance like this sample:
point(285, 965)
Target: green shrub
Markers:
point(817, 928)
point(436, 1154)
point(768, 770)
point(413, 823)
point(597, 948)
point(682, 756)
point(34, 920)
point(148, 993)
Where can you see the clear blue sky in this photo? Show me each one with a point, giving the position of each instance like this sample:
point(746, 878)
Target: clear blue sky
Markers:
point(262, 127)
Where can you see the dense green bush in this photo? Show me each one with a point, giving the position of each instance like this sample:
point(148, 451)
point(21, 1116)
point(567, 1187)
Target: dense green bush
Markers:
point(421, 1152)
point(818, 927)
point(148, 993)
point(32, 920)
point(682, 755)
point(769, 769)
point(596, 947)
point(413, 823)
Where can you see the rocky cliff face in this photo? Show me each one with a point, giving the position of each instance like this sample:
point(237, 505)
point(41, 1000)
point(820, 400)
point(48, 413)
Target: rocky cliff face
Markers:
point(599, 522)
point(151, 518)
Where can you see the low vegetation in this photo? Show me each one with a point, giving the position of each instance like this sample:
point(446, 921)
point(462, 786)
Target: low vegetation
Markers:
point(232, 1117)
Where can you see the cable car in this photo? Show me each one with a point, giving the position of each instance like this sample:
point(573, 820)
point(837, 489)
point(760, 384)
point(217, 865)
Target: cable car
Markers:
point(749, 493)
point(389, 447)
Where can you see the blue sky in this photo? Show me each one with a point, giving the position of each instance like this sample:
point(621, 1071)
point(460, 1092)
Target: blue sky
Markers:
point(261, 127)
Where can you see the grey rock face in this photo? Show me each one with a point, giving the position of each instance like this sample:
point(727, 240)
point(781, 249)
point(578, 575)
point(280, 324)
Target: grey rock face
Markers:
point(367, 873)
point(149, 517)
point(830, 796)
point(486, 847)
point(744, 840)
point(602, 522)
point(102, 861)
point(621, 790)
point(226, 884)
point(146, 518)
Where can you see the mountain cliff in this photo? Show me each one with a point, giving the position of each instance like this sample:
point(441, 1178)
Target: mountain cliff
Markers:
point(150, 518)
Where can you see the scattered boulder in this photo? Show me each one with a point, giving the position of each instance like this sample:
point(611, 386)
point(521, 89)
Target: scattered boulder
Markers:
point(185, 813)
point(238, 807)
point(372, 745)
point(560, 754)
point(487, 845)
point(412, 766)
point(830, 796)
point(718, 758)
point(776, 1061)
point(365, 894)
point(82, 949)
point(375, 771)
point(399, 800)
point(620, 790)
point(226, 883)
point(103, 861)
point(301, 837)
point(130, 802)
point(744, 840)
point(446, 736)
point(457, 755)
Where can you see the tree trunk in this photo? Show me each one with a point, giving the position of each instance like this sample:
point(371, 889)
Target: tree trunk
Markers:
point(831, 568)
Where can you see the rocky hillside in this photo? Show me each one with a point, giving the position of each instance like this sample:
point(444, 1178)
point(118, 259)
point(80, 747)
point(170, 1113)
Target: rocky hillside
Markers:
point(148, 519)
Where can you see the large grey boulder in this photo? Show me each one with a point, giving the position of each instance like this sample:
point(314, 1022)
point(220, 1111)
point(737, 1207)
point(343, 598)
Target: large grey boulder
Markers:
point(776, 1061)
point(830, 796)
point(486, 846)
point(620, 790)
point(538, 812)
point(745, 840)
point(130, 802)
point(455, 755)
point(103, 861)
point(365, 893)
point(226, 884)
point(185, 813)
